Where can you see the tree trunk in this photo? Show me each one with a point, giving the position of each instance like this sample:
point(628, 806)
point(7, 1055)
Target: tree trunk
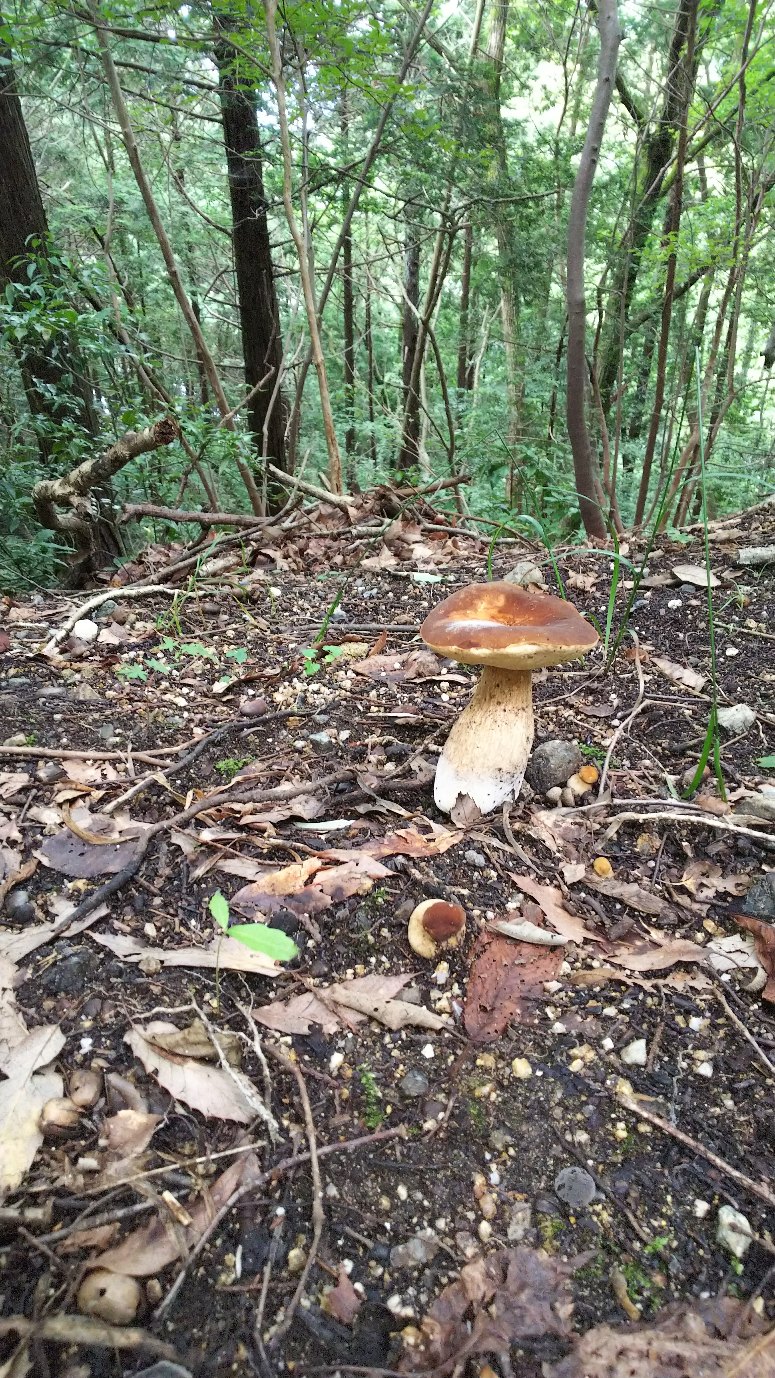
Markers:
point(410, 444)
point(465, 363)
point(684, 83)
point(584, 462)
point(348, 316)
point(258, 308)
point(53, 380)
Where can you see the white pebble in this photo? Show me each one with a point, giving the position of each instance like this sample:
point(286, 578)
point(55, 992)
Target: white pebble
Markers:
point(635, 1054)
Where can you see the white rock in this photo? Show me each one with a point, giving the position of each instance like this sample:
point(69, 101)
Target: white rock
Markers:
point(734, 1231)
point(738, 717)
point(521, 1068)
point(704, 1069)
point(700, 1208)
point(635, 1054)
point(86, 630)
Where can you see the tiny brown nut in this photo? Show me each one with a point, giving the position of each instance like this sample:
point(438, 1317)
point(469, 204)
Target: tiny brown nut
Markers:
point(85, 1087)
point(58, 1116)
point(434, 926)
point(111, 1297)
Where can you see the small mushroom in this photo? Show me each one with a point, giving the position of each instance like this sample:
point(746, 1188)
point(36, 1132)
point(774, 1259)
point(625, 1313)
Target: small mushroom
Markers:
point(434, 926)
point(85, 1087)
point(511, 632)
point(111, 1297)
point(58, 1116)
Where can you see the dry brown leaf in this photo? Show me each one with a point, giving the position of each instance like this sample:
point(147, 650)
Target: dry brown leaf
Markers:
point(397, 669)
point(698, 1342)
point(195, 1041)
point(550, 898)
point(22, 1098)
point(213, 1091)
point(505, 983)
point(514, 1294)
point(82, 859)
point(317, 1006)
point(682, 675)
point(343, 1302)
point(128, 1133)
point(223, 954)
point(645, 957)
point(705, 879)
point(153, 1247)
point(632, 895)
point(97, 1238)
point(394, 1014)
point(764, 937)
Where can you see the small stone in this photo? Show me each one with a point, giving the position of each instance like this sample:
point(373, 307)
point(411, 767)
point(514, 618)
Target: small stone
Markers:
point(760, 900)
point(488, 1205)
point(521, 1068)
point(704, 1069)
point(322, 742)
point(552, 763)
point(86, 630)
point(484, 1231)
point(415, 1083)
point(635, 1053)
point(567, 798)
point(296, 1260)
point(527, 574)
point(84, 693)
point(52, 691)
point(553, 795)
point(253, 708)
point(734, 1231)
point(418, 1251)
point(18, 907)
point(737, 718)
point(48, 772)
point(520, 1222)
point(18, 739)
point(475, 859)
point(106, 731)
point(700, 1208)
point(575, 1186)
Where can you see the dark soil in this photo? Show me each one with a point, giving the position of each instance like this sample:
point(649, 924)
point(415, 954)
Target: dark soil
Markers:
point(650, 1232)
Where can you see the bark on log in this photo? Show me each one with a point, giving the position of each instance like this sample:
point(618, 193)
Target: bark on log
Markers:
point(72, 492)
point(132, 511)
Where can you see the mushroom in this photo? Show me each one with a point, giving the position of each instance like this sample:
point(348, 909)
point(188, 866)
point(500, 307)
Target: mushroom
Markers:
point(435, 925)
point(510, 631)
point(112, 1297)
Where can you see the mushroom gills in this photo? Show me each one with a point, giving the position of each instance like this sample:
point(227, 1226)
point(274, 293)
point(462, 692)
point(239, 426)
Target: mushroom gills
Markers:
point(488, 748)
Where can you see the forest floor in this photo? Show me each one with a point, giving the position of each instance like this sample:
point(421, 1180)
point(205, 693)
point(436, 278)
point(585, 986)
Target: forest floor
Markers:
point(361, 1160)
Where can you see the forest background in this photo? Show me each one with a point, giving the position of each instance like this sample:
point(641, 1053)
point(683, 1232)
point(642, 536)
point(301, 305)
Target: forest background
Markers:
point(375, 241)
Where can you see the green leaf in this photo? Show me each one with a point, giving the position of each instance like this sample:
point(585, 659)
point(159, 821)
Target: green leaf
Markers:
point(219, 908)
point(131, 672)
point(238, 653)
point(766, 762)
point(159, 665)
point(197, 648)
point(259, 938)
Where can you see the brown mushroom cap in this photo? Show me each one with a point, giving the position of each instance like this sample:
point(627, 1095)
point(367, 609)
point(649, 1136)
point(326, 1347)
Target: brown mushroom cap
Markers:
point(435, 925)
point(507, 626)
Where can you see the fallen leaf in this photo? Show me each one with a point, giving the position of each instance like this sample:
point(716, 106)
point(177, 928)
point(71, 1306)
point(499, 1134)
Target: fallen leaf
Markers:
point(704, 1340)
point(153, 1247)
point(705, 880)
point(648, 957)
point(75, 857)
point(125, 1137)
point(764, 937)
point(505, 984)
point(22, 1098)
point(511, 1295)
point(394, 1014)
point(343, 1302)
point(550, 898)
point(213, 1091)
point(397, 669)
point(223, 954)
point(632, 895)
point(297, 1015)
point(683, 675)
point(697, 575)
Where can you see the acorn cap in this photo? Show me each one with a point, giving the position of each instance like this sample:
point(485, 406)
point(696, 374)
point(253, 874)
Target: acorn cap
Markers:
point(503, 625)
point(435, 925)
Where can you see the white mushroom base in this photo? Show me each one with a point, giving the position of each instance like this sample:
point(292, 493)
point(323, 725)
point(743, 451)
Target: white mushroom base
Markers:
point(488, 749)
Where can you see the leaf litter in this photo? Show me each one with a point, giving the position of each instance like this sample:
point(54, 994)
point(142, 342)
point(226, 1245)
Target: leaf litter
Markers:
point(629, 944)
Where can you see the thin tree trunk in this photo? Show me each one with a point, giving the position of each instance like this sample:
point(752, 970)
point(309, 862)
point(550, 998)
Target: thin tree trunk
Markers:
point(302, 252)
point(368, 339)
point(465, 368)
point(584, 462)
point(685, 83)
point(410, 329)
point(163, 240)
point(258, 307)
point(348, 314)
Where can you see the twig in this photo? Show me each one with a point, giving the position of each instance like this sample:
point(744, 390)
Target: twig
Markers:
point(318, 1215)
point(640, 703)
point(740, 1026)
point(52, 753)
point(756, 1188)
point(96, 601)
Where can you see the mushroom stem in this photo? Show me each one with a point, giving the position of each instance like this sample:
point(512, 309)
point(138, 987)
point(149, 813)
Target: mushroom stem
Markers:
point(487, 751)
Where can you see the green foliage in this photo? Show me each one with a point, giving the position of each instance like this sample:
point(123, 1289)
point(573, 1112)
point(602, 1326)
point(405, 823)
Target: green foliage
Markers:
point(373, 1114)
point(271, 942)
point(229, 766)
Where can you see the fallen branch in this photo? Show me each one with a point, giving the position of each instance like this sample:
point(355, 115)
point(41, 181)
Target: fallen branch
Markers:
point(82, 1330)
point(132, 511)
point(97, 600)
point(72, 490)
